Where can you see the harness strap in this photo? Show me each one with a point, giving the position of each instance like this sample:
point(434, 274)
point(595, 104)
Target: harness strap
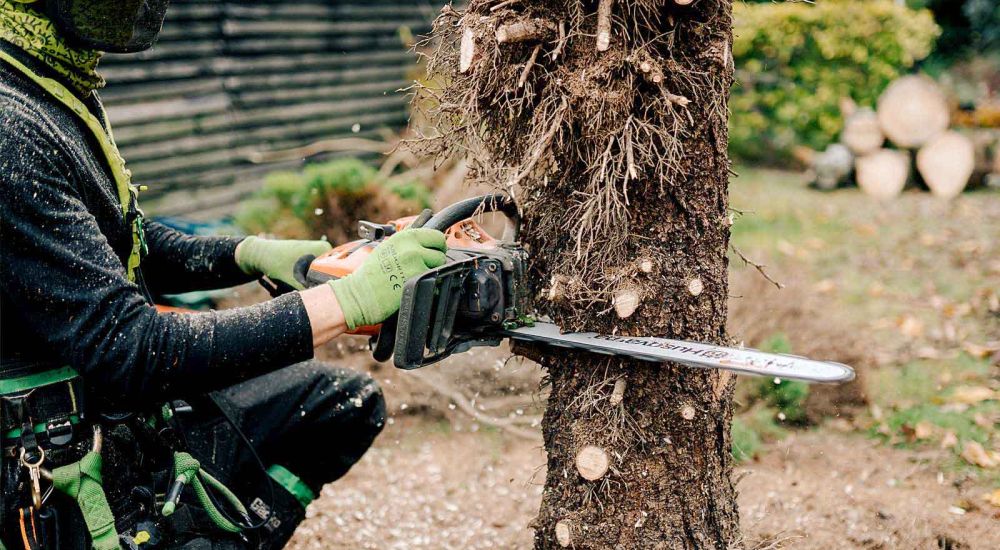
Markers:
point(127, 193)
point(82, 482)
point(187, 471)
point(292, 483)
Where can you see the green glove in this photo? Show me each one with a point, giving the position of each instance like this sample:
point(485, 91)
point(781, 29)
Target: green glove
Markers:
point(276, 259)
point(373, 292)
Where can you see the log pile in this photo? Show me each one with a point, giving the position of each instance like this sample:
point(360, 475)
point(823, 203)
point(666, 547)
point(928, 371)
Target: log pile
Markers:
point(906, 140)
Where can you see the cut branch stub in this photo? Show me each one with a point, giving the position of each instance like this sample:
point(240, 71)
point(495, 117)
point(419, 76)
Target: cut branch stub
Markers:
point(650, 69)
point(695, 286)
point(564, 533)
point(604, 24)
point(626, 301)
point(468, 50)
point(592, 463)
point(525, 30)
point(618, 392)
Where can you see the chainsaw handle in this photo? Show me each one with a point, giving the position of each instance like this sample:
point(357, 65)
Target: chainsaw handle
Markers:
point(469, 207)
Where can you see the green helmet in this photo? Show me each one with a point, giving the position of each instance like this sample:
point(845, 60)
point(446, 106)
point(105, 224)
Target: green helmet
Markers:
point(116, 26)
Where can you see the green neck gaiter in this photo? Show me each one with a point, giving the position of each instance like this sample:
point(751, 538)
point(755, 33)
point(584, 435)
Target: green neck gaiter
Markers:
point(34, 33)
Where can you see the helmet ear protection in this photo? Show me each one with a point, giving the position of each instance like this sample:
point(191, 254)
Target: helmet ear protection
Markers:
point(115, 26)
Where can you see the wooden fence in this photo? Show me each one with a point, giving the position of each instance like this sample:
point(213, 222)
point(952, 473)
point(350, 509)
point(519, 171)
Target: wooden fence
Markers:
point(230, 79)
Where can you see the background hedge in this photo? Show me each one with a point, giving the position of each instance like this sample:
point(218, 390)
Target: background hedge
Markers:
point(795, 62)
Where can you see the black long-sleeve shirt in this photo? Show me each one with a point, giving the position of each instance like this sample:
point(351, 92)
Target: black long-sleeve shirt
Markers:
point(65, 298)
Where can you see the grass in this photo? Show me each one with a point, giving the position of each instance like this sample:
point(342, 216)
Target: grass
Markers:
point(913, 278)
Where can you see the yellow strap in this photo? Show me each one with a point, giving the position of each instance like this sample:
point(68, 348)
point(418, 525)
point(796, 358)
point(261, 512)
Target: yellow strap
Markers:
point(122, 175)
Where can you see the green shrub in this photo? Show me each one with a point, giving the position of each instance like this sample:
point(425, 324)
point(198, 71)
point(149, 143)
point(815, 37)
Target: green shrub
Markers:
point(795, 62)
point(787, 396)
point(328, 199)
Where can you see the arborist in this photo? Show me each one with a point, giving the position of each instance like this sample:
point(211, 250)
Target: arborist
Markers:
point(124, 426)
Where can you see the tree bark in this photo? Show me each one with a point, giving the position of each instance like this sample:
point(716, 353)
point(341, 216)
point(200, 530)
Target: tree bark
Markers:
point(622, 180)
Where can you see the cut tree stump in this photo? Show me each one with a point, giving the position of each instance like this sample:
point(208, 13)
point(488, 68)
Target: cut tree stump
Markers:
point(883, 174)
point(946, 163)
point(912, 110)
point(862, 133)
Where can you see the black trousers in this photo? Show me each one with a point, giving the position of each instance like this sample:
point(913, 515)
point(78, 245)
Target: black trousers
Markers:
point(312, 419)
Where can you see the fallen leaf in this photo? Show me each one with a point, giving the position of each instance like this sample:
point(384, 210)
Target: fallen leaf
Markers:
point(975, 454)
point(982, 421)
point(928, 352)
point(923, 430)
point(866, 229)
point(970, 395)
point(981, 351)
point(993, 499)
point(911, 326)
point(826, 286)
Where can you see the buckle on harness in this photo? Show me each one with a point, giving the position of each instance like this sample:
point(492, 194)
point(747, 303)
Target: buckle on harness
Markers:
point(59, 431)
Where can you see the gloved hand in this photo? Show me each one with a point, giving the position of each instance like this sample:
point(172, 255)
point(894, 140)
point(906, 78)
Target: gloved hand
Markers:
point(276, 259)
point(373, 292)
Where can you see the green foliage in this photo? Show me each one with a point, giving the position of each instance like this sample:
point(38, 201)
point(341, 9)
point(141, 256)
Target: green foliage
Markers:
point(751, 429)
point(745, 441)
point(787, 396)
point(795, 62)
point(326, 198)
point(968, 27)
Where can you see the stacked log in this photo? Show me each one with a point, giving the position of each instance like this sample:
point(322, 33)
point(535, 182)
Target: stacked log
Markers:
point(905, 139)
point(946, 163)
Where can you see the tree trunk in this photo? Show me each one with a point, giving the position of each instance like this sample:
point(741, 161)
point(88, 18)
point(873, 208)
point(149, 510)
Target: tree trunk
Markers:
point(616, 153)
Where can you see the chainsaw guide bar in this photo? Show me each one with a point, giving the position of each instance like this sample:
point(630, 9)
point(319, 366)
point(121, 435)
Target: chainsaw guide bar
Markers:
point(481, 296)
point(692, 354)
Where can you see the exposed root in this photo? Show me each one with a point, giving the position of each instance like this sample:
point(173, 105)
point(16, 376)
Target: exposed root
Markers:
point(510, 425)
point(524, 107)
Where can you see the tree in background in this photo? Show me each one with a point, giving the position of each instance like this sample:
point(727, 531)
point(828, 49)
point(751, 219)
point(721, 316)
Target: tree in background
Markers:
point(608, 122)
point(969, 27)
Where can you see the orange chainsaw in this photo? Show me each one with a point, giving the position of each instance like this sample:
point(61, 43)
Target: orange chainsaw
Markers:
point(480, 297)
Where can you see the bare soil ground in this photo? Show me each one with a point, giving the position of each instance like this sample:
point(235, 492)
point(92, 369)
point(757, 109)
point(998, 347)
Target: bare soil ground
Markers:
point(426, 487)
